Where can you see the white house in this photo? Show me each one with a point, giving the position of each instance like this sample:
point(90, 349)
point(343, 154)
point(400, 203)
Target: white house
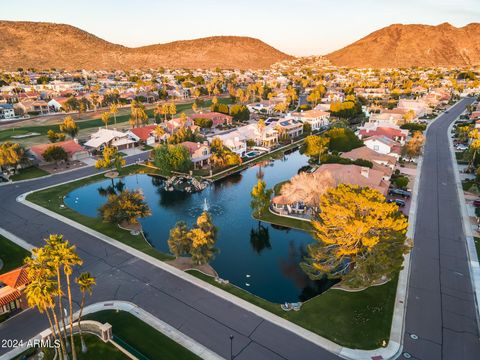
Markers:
point(235, 141)
point(316, 118)
point(109, 137)
point(383, 145)
point(6, 112)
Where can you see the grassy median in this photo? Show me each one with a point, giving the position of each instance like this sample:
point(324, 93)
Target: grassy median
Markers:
point(141, 338)
point(359, 320)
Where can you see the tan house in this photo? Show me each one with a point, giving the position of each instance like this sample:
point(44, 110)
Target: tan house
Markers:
point(199, 153)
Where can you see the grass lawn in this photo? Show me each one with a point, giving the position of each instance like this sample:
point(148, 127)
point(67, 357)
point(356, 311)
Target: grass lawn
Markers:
point(275, 219)
point(140, 336)
point(97, 349)
point(11, 254)
point(52, 198)
point(359, 320)
point(29, 173)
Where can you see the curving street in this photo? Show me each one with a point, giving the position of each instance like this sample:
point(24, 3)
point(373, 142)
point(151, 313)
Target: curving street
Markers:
point(440, 311)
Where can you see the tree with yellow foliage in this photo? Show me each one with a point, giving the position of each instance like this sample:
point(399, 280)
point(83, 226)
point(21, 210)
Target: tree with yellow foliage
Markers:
point(413, 147)
point(260, 198)
point(11, 154)
point(203, 237)
point(315, 146)
point(110, 159)
point(69, 126)
point(360, 237)
point(125, 208)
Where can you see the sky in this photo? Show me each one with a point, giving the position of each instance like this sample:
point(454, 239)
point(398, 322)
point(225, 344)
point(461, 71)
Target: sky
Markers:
point(296, 27)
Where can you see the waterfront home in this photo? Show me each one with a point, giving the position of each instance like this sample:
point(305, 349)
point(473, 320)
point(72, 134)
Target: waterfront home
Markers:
point(289, 128)
point(216, 117)
point(266, 137)
point(12, 285)
point(235, 141)
point(381, 162)
point(316, 118)
point(301, 195)
point(109, 137)
point(74, 150)
point(199, 153)
point(383, 145)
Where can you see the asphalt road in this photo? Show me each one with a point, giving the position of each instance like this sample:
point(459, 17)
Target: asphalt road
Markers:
point(199, 314)
point(441, 308)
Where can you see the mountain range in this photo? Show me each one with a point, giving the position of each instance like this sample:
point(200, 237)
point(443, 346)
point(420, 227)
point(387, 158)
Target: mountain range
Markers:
point(413, 45)
point(43, 45)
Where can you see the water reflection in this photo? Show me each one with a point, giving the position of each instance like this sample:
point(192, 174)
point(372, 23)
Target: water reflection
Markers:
point(260, 238)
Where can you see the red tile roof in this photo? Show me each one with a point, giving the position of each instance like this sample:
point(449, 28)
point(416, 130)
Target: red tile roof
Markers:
point(389, 132)
point(10, 296)
point(70, 147)
point(143, 132)
point(216, 117)
point(15, 278)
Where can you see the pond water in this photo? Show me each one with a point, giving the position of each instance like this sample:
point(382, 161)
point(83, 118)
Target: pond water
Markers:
point(258, 257)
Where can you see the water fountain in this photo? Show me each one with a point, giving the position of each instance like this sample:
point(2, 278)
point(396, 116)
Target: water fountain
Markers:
point(206, 207)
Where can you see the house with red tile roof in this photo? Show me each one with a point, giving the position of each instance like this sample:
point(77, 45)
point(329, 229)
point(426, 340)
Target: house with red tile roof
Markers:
point(12, 285)
point(74, 150)
point(143, 134)
point(199, 153)
point(393, 133)
point(384, 145)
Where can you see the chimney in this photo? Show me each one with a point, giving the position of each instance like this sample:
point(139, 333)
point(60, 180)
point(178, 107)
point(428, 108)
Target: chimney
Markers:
point(364, 171)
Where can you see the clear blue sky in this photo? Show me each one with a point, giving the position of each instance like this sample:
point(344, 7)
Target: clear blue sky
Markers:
point(298, 27)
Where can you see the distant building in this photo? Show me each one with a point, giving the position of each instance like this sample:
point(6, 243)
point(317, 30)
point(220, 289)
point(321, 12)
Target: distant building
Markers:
point(216, 117)
point(6, 112)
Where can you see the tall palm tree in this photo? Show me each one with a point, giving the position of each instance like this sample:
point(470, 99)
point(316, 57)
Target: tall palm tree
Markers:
point(106, 118)
point(54, 260)
point(85, 281)
point(69, 260)
point(114, 111)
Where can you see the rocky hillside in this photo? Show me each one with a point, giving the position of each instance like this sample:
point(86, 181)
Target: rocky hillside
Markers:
point(413, 45)
point(47, 45)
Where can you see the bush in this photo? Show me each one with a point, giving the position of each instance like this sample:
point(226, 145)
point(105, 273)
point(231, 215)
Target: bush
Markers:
point(413, 127)
point(336, 159)
point(203, 123)
point(401, 182)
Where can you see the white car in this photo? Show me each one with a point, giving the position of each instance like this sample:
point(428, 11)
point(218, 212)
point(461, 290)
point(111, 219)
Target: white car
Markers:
point(461, 147)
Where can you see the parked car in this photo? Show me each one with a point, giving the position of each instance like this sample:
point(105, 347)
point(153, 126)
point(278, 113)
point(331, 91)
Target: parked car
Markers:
point(399, 202)
point(461, 147)
point(476, 203)
point(400, 192)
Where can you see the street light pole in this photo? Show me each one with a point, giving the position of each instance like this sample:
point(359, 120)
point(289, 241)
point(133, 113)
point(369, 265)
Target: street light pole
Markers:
point(231, 347)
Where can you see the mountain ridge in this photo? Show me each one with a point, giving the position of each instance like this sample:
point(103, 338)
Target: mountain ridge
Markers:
point(22, 44)
point(400, 45)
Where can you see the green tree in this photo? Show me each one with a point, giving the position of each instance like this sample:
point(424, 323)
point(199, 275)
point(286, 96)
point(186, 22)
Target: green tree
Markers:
point(172, 158)
point(55, 154)
point(125, 207)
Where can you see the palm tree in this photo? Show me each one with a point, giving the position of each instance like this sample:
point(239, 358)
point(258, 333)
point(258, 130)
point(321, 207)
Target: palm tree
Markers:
point(106, 118)
point(54, 261)
point(69, 260)
point(114, 112)
point(159, 132)
point(85, 281)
